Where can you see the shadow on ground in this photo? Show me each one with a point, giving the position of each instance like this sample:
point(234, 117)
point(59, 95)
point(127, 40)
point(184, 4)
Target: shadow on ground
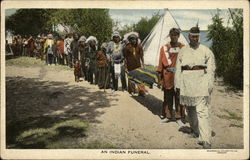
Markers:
point(151, 103)
point(43, 114)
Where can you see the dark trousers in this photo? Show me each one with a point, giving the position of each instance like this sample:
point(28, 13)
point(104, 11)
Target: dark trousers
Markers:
point(56, 59)
point(171, 96)
point(61, 59)
point(92, 73)
point(24, 51)
point(83, 70)
point(50, 58)
point(115, 79)
point(70, 60)
point(77, 78)
point(38, 54)
point(30, 53)
point(66, 58)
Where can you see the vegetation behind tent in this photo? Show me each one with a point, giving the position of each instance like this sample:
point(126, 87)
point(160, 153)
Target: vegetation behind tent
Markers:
point(143, 27)
point(227, 46)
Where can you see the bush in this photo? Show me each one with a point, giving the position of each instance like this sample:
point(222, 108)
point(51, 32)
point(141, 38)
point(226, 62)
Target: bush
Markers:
point(227, 46)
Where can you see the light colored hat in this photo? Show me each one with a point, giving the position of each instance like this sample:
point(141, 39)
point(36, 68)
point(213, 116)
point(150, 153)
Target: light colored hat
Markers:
point(104, 45)
point(91, 38)
point(116, 34)
point(82, 39)
point(130, 35)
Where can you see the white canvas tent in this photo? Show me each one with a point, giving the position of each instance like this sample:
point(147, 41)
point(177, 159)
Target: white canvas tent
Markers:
point(158, 37)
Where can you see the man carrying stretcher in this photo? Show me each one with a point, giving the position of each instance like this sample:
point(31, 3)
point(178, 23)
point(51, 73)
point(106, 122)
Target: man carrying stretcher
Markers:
point(166, 70)
point(133, 54)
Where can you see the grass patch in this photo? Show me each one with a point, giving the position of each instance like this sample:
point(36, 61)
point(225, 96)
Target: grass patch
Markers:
point(67, 144)
point(49, 133)
point(230, 116)
point(222, 91)
point(31, 61)
point(97, 144)
point(73, 128)
point(61, 67)
point(233, 89)
point(236, 125)
point(25, 62)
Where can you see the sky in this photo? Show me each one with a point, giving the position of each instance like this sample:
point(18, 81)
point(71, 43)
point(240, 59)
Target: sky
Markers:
point(9, 12)
point(186, 18)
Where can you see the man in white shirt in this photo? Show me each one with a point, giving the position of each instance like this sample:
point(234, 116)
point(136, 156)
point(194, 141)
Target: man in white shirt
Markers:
point(194, 76)
point(67, 50)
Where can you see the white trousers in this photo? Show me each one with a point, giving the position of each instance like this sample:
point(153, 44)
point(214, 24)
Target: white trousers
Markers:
point(199, 119)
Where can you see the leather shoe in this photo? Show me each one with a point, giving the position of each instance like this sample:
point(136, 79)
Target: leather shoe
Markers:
point(213, 133)
point(194, 135)
point(206, 145)
point(200, 143)
point(185, 129)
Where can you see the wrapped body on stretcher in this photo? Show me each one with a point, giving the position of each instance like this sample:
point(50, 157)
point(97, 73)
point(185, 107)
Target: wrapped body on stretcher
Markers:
point(143, 76)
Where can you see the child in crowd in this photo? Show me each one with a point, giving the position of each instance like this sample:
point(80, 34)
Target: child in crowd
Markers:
point(77, 70)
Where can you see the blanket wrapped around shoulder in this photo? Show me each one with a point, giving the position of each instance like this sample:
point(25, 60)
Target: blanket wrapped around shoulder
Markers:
point(143, 76)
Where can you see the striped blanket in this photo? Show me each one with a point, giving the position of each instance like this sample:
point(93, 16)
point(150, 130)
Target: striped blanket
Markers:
point(143, 76)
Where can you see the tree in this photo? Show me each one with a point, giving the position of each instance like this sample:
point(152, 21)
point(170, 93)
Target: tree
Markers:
point(29, 21)
point(227, 46)
point(127, 28)
point(143, 27)
point(88, 22)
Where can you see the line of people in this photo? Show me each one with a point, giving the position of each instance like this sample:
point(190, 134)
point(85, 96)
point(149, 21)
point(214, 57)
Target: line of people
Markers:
point(103, 66)
point(186, 73)
point(23, 46)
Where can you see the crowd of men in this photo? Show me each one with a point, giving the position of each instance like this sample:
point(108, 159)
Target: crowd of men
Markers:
point(186, 73)
point(102, 66)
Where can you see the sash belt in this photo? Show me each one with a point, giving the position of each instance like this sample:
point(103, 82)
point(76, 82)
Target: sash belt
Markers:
point(198, 67)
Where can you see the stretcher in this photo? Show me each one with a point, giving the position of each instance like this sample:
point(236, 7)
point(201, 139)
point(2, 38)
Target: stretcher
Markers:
point(143, 76)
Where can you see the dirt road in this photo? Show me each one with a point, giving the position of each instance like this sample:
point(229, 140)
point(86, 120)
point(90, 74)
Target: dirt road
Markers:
point(115, 117)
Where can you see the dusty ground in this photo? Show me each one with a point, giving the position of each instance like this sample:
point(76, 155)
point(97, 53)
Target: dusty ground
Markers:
point(115, 117)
